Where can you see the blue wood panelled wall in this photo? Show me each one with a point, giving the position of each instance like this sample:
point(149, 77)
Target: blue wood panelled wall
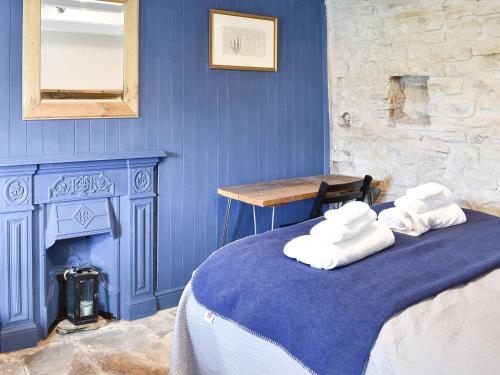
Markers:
point(220, 127)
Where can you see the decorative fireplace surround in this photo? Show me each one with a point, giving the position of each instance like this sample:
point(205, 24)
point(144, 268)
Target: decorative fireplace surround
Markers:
point(54, 215)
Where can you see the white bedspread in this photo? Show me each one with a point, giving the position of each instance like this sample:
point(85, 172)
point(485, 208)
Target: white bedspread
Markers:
point(457, 332)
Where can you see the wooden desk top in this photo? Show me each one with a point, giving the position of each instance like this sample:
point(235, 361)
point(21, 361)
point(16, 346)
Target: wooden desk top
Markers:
point(283, 191)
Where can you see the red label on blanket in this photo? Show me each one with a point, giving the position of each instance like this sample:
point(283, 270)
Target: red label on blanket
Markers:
point(209, 317)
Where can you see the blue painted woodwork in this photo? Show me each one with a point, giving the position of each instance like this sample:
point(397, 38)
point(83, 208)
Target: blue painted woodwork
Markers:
point(219, 128)
point(136, 260)
point(230, 127)
point(54, 216)
point(17, 326)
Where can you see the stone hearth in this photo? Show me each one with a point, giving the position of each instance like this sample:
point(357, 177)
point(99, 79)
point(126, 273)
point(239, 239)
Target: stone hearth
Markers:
point(139, 347)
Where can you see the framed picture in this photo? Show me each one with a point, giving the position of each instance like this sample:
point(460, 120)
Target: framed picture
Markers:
point(242, 41)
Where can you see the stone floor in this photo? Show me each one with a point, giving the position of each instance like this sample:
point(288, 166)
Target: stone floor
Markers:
point(136, 348)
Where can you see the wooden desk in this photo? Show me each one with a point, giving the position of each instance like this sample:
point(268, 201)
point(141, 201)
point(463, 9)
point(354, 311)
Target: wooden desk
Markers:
point(278, 192)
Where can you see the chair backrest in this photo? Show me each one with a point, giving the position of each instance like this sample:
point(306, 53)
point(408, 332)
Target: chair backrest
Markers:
point(341, 193)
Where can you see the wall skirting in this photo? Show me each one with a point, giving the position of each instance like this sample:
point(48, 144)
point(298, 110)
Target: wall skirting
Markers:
point(19, 337)
point(169, 298)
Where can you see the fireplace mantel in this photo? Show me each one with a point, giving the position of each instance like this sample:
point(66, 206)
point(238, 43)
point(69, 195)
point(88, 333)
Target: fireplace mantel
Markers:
point(47, 201)
point(40, 160)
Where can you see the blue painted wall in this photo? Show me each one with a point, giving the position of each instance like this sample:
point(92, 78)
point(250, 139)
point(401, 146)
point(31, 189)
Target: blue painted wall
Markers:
point(220, 127)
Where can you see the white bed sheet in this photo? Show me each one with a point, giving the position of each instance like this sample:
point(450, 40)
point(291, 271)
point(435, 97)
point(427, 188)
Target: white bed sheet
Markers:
point(457, 332)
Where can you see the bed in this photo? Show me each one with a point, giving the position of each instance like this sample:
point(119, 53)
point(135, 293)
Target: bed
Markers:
point(234, 317)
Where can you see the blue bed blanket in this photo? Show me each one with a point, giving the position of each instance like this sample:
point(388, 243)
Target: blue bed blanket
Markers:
point(329, 320)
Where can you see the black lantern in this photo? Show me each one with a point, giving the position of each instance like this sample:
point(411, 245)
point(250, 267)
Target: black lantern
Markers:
point(82, 295)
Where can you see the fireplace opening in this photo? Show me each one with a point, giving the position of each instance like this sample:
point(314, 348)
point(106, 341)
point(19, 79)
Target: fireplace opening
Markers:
point(408, 100)
point(96, 251)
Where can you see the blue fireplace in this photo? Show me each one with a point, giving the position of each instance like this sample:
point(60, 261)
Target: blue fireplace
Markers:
point(60, 215)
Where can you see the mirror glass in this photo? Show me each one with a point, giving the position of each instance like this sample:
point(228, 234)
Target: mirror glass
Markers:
point(82, 49)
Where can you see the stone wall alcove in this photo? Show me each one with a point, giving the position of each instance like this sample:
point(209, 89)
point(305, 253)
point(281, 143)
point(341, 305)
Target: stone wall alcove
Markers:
point(408, 100)
point(457, 45)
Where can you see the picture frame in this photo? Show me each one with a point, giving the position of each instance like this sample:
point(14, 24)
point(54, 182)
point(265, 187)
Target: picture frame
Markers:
point(241, 41)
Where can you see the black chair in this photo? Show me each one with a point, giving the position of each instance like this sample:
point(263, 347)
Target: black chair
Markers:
point(339, 194)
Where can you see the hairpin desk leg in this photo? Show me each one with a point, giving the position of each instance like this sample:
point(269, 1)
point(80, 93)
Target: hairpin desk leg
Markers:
point(223, 240)
point(254, 220)
point(272, 219)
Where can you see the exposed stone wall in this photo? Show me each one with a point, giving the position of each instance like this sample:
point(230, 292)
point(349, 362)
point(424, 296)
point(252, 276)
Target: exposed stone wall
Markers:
point(390, 61)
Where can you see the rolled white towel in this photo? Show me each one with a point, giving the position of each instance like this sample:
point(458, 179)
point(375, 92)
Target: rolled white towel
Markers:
point(323, 254)
point(418, 205)
point(330, 230)
point(396, 218)
point(429, 191)
point(444, 216)
point(403, 221)
point(348, 213)
point(414, 224)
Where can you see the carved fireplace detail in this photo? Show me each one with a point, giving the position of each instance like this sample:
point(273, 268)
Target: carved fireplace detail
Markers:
point(102, 211)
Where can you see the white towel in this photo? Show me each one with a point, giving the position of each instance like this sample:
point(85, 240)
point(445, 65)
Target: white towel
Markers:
point(444, 216)
point(330, 230)
point(417, 205)
point(415, 224)
point(403, 221)
point(323, 254)
point(429, 191)
point(348, 213)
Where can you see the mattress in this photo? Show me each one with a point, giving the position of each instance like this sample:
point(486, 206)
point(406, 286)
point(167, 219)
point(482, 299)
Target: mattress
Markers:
point(455, 332)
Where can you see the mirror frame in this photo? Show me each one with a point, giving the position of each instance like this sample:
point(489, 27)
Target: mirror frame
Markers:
point(36, 108)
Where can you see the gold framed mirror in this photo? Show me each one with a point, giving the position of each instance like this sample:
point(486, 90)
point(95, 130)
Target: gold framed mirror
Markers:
point(80, 59)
